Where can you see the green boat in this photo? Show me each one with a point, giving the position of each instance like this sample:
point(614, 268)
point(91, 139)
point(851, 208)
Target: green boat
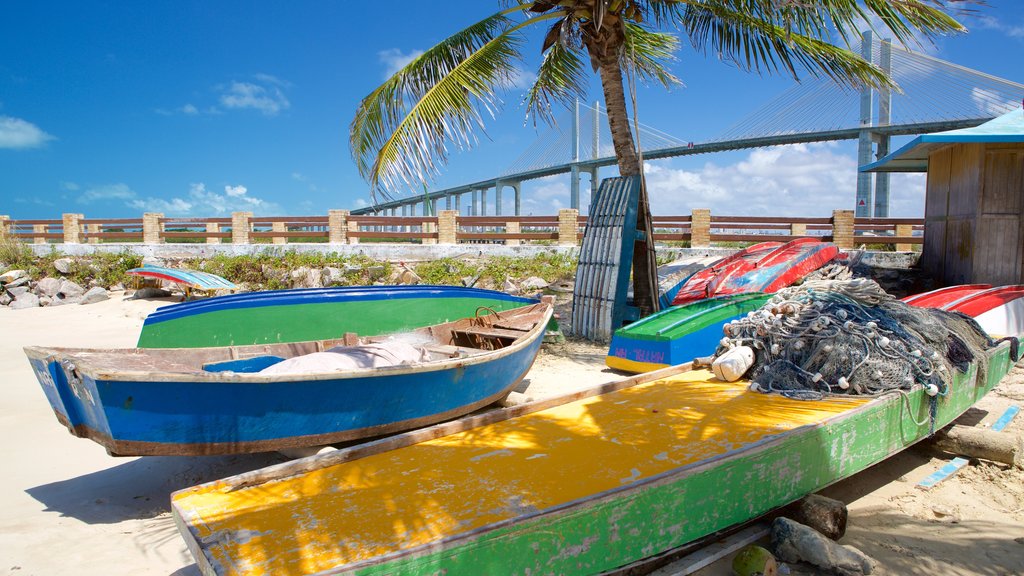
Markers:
point(581, 484)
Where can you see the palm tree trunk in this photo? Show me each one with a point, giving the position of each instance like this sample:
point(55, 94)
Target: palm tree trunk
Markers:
point(645, 266)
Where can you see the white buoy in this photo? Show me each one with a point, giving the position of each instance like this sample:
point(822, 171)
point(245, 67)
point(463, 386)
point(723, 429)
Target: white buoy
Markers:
point(732, 365)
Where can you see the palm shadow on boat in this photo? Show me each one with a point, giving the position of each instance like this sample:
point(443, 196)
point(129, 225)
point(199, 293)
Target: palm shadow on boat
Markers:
point(139, 488)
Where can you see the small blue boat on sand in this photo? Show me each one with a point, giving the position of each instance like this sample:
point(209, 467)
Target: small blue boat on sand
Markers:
point(234, 399)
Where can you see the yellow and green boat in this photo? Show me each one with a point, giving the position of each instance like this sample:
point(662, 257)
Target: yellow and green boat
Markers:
point(581, 484)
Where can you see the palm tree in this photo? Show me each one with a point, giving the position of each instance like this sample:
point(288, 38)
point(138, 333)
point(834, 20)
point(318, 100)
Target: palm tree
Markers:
point(402, 130)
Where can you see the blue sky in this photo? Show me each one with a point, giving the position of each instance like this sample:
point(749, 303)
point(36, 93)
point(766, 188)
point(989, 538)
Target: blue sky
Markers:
point(112, 109)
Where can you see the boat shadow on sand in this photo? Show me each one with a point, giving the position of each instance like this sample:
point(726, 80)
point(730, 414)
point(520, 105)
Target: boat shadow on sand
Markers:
point(140, 488)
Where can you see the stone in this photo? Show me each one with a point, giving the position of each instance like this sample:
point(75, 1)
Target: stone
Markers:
point(534, 283)
point(49, 286)
point(17, 291)
point(23, 281)
point(12, 275)
point(69, 289)
point(375, 272)
point(46, 300)
point(304, 277)
point(5, 299)
point(794, 542)
point(510, 287)
point(152, 261)
point(26, 300)
point(150, 292)
point(116, 287)
point(332, 276)
point(63, 265)
point(93, 295)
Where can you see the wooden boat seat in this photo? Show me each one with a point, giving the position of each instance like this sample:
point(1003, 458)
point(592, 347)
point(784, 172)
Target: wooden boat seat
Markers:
point(490, 332)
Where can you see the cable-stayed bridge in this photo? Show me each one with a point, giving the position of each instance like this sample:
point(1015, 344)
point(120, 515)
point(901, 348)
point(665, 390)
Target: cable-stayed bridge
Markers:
point(933, 95)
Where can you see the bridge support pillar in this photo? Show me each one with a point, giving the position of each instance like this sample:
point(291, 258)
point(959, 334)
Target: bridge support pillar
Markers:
point(574, 187)
point(497, 197)
point(474, 208)
point(483, 201)
point(517, 187)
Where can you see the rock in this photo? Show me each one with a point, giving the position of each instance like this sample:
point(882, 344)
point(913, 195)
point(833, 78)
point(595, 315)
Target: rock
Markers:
point(305, 277)
point(332, 276)
point(563, 286)
point(152, 261)
point(49, 286)
point(95, 294)
point(23, 281)
point(150, 292)
point(794, 542)
point(26, 300)
point(5, 299)
point(17, 291)
point(116, 287)
point(510, 287)
point(825, 515)
point(470, 281)
point(534, 283)
point(375, 272)
point(69, 289)
point(63, 265)
point(94, 283)
point(405, 275)
point(46, 300)
point(12, 275)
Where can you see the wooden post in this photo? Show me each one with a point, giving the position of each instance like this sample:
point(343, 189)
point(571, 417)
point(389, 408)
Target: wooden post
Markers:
point(151, 228)
point(279, 227)
point(842, 228)
point(512, 228)
point(798, 229)
point(212, 227)
point(904, 230)
point(40, 229)
point(700, 228)
point(337, 227)
point(240, 227)
point(568, 226)
point(4, 226)
point(72, 228)
point(448, 227)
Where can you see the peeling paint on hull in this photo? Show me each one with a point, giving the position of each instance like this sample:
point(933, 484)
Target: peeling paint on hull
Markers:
point(625, 475)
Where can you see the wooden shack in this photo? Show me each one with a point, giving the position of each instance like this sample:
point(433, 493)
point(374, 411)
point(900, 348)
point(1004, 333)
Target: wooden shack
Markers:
point(974, 205)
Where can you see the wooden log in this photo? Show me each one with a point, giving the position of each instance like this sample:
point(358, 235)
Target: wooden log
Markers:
point(982, 443)
point(825, 515)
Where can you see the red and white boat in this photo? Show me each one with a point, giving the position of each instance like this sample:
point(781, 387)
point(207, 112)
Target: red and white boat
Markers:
point(999, 310)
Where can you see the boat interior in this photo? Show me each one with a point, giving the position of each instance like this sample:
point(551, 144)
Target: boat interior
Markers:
point(487, 331)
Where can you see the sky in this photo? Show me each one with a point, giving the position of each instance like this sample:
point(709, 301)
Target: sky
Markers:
point(191, 108)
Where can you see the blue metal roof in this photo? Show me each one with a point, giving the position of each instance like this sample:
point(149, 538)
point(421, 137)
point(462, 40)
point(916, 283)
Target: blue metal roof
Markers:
point(913, 157)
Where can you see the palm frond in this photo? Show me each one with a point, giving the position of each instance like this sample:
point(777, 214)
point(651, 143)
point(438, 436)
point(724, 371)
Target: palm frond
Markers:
point(756, 44)
point(561, 78)
point(401, 130)
point(649, 54)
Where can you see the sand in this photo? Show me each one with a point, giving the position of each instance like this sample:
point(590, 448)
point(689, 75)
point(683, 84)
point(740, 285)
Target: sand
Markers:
point(68, 507)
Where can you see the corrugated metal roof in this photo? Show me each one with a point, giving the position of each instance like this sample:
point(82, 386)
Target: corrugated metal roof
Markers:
point(913, 157)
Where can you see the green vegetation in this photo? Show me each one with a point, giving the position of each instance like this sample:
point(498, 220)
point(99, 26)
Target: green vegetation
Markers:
point(496, 270)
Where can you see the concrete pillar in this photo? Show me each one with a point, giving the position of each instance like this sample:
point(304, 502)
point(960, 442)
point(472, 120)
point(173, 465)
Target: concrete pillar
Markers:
point(151, 228)
point(513, 228)
point(458, 203)
point(595, 181)
point(568, 226)
point(517, 187)
point(72, 229)
point(4, 226)
point(212, 227)
point(842, 228)
point(39, 229)
point(483, 202)
point(240, 227)
point(864, 145)
point(337, 228)
point(278, 227)
point(497, 198)
point(881, 207)
point(89, 230)
point(700, 228)
point(353, 226)
point(574, 187)
point(904, 231)
point(448, 227)
point(798, 229)
point(475, 206)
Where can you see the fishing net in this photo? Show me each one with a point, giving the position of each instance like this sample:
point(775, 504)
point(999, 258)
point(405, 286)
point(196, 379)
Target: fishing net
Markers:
point(851, 337)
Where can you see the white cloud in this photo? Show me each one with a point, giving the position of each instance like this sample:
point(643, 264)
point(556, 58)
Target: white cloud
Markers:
point(394, 60)
point(197, 202)
point(189, 110)
point(106, 192)
point(799, 180)
point(988, 22)
point(264, 95)
point(16, 133)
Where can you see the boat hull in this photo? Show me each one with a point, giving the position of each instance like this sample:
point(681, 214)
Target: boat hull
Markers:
point(677, 335)
point(650, 492)
point(314, 314)
point(138, 413)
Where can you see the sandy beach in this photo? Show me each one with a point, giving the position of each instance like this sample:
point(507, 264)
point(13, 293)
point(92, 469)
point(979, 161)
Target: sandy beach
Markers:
point(68, 507)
